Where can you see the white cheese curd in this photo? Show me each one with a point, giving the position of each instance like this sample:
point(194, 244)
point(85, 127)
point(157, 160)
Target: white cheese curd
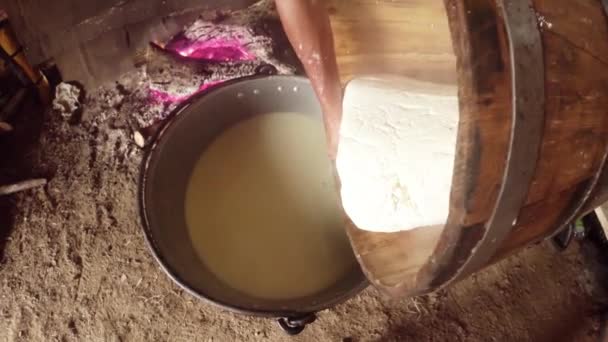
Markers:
point(396, 152)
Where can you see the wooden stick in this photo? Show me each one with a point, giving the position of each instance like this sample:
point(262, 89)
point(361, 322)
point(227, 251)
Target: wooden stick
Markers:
point(22, 186)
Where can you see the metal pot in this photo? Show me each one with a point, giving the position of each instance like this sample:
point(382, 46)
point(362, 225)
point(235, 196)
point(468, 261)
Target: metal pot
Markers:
point(165, 175)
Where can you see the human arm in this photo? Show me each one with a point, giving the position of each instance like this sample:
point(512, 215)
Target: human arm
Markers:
point(307, 25)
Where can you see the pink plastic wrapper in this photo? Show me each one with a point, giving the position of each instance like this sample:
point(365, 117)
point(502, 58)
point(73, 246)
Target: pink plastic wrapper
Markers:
point(159, 96)
point(217, 50)
point(213, 50)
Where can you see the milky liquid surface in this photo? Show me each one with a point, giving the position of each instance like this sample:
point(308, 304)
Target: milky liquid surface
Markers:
point(262, 209)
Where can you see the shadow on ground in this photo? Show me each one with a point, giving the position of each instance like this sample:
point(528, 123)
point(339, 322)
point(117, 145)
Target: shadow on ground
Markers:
point(555, 296)
point(16, 149)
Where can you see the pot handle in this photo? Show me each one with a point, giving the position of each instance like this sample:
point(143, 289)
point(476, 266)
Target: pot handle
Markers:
point(266, 70)
point(295, 325)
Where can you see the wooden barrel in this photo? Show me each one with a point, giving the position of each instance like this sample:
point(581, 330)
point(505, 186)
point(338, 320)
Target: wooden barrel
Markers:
point(532, 142)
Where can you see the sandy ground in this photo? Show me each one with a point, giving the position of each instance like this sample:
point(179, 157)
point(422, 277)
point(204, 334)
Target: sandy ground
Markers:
point(75, 267)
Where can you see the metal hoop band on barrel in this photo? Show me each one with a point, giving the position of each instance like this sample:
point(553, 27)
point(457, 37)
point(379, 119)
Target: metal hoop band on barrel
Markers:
point(528, 84)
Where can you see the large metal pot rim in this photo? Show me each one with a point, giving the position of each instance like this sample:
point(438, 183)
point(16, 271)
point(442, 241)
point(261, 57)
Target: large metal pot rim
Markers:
point(166, 267)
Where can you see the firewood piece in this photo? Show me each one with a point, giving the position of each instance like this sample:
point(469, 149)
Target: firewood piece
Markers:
point(22, 186)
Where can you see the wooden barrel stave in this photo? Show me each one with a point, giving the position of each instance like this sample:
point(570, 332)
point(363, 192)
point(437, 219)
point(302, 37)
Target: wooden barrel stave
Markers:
point(485, 93)
point(374, 43)
point(574, 38)
point(484, 134)
point(576, 131)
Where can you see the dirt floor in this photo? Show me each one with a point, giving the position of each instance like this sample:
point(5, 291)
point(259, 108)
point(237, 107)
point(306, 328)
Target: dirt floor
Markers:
point(75, 267)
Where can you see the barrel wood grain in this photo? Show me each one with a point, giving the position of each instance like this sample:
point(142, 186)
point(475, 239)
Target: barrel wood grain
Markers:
point(410, 38)
point(574, 37)
point(485, 118)
point(405, 37)
point(576, 130)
